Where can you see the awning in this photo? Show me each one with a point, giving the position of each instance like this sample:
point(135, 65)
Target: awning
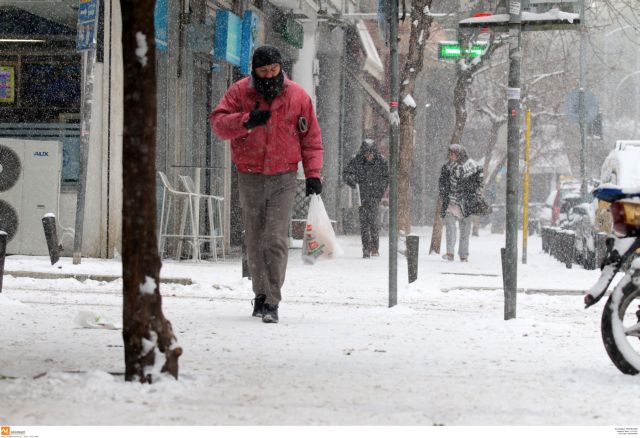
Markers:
point(372, 64)
point(382, 105)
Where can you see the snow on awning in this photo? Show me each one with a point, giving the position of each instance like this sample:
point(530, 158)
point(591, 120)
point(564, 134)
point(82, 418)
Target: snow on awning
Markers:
point(372, 64)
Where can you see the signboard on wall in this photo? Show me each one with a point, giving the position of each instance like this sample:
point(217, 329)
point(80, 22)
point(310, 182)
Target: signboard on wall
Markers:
point(160, 25)
point(87, 25)
point(227, 38)
point(250, 25)
point(290, 30)
point(7, 84)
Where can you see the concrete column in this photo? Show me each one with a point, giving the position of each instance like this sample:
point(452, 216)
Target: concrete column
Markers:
point(303, 67)
point(329, 97)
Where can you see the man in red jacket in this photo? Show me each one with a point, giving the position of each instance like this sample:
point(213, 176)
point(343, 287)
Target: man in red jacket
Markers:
point(272, 126)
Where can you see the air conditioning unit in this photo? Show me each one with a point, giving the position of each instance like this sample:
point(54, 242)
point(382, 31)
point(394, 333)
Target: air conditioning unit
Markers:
point(29, 189)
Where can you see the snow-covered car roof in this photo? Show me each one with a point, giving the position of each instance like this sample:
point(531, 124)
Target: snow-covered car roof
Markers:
point(624, 160)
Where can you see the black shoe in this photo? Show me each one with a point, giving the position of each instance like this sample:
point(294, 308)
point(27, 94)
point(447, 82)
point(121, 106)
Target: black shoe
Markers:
point(270, 313)
point(365, 254)
point(258, 305)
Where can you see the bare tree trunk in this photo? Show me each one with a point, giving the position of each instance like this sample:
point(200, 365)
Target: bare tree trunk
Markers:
point(491, 145)
point(404, 169)
point(463, 81)
point(420, 26)
point(150, 346)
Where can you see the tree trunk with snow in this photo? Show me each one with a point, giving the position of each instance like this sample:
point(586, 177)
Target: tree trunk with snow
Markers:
point(463, 81)
point(466, 72)
point(420, 24)
point(150, 347)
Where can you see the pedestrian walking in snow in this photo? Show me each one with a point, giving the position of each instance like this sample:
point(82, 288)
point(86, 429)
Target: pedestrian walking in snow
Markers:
point(460, 187)
point(370, 171)
point(272, 126)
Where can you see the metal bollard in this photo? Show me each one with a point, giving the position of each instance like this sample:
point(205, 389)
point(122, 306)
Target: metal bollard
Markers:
point(3, 250)
point(553, 243)
point(51, 235)
point(413, 245)
point(245, 260)
point(545, 239)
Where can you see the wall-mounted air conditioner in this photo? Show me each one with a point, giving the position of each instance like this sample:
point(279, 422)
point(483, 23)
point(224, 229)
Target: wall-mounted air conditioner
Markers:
point(29, 188)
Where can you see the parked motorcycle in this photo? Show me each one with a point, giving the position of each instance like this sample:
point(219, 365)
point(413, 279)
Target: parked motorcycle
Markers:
point(620, 324)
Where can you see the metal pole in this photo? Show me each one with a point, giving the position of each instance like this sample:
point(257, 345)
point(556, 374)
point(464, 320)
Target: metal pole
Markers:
point(89, 60)
point(3, 250)
point(525, 198)
point(393, 155)
point(413, 249)
point(513, 145)
point(582, 109)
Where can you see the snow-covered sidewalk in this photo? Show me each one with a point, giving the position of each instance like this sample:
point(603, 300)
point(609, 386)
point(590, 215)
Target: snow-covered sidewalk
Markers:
point(339, 356)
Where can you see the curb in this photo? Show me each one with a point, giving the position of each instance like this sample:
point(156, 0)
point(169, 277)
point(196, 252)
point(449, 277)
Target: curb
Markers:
point(83, 277)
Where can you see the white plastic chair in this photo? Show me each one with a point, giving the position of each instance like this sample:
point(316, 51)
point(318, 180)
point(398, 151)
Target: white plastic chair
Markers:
point(168, 195)
point(213, 205)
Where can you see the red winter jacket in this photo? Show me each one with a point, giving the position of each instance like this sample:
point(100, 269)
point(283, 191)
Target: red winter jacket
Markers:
point(278, 146)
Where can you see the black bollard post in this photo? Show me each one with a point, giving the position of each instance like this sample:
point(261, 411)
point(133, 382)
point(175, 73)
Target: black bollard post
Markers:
point(545, 239)
point(413, 244)
point(51, 235)
point(245, 260)
point(3, 250)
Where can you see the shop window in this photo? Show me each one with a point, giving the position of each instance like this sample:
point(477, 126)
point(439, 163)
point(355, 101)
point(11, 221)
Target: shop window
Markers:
point(51, 85)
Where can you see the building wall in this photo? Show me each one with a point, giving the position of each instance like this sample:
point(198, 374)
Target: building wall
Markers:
point(328, 99)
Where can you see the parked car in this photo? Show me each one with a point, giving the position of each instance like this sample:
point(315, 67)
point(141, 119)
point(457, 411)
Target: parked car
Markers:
point(563, 198)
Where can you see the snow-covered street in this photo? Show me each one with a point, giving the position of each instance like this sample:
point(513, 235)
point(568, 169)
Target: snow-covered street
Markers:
point(339, 356)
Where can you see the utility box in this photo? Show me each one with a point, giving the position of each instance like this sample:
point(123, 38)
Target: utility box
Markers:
point(30, 174)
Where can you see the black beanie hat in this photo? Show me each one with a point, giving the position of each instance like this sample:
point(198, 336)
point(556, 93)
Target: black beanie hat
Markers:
point(266, 55)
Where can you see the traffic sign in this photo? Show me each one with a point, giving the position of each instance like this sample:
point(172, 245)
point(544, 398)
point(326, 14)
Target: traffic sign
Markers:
point(87, 25)
point(572, 106)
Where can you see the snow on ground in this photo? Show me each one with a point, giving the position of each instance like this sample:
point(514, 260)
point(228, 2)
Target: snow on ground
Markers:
point(339, 356)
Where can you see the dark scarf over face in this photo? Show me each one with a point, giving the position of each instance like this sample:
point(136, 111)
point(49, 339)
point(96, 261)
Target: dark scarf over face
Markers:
point(269, 88)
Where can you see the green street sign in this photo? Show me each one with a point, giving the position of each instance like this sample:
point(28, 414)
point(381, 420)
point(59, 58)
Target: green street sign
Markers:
point(449, 50)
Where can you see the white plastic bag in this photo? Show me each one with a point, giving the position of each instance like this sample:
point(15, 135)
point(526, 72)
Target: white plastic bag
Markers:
point(319, 240)
point(92, 320)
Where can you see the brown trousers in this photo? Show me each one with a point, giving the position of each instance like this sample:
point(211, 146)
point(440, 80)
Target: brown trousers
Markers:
point(266, 203)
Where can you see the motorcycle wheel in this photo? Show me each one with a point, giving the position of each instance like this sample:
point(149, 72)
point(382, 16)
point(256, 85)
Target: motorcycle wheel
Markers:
point(621, 329)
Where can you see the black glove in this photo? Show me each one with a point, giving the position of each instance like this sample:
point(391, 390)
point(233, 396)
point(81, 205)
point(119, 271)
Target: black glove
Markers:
point(314, 186)
point(257, 118)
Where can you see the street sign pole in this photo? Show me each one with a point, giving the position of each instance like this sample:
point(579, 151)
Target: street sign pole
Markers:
point(88, 15)
point(393, 154)
point(582, 105)
point(513, 158)
point(525, 197)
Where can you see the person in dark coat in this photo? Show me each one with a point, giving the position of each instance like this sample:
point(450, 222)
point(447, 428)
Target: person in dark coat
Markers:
point(460, 185)
point(370, 172)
